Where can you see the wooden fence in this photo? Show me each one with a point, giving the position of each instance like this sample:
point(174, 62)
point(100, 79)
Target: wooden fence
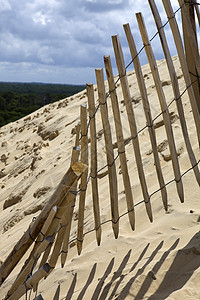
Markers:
point(50, 232)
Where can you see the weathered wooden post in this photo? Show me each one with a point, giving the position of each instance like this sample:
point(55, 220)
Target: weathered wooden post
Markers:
point(179, 46)
point(120, 141)
point(191, 45)
point(73, 173)
point(83, 184)
point(175, 87)
point(112, 175)
point(132, 122)
point(163, 105)
point(93, 161)
point(147, 111)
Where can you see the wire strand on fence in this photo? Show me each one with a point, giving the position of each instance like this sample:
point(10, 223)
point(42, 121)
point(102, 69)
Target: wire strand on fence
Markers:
point(192, 3)
point(118, 79)
point(126, 143)
point(140, 202)
point(138, 53)
point(141, 130)
point(107, 221)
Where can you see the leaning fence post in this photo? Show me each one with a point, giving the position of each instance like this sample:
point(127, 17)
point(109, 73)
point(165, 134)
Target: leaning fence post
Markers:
point(120, 141)
point(27, 269)
point(132, 122)
point(93, 139)
point(181, 55)
point(191, 45)
point(83, 184)
point(66, 207)
point(109, 152)
point(33, 280)
point(175, 86)
point(163, 105)
point(72, 196)
point(52, 230)
point(41, 235)
point(73, 173)
point(147, 111)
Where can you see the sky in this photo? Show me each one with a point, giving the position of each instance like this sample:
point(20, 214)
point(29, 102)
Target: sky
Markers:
point(63, 41)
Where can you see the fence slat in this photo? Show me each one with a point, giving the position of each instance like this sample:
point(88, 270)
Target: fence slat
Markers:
point(60, 235)
point(109, 152)
point(68, 222)
point(51, 232)
point(65, 209)
point(73, 173)
point(46, 225)
point(78, 129)
point(27, 270)
point(61, 217)
point(33, 280)
point(175, 86)
point(120, 141)
point(181, 54)
point(147, 111)
point(67, 203)
point(132, 122)
point(93, 138)
point(83, 184)
point(72, 200)
point(191, 45)
point(163, 105)
point(59, 220)
point(41, 235)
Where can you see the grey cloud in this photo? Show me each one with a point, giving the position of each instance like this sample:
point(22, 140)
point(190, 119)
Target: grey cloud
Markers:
point(71, 35)
point(4, 6)
point(104, 6)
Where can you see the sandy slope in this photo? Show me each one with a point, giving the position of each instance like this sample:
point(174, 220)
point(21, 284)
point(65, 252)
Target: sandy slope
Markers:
point(159, 260)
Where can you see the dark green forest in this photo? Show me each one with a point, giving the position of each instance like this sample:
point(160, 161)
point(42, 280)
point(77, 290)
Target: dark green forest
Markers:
point(20, 99)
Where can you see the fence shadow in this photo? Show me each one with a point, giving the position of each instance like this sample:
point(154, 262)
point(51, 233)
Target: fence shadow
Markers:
point(89, 281)
point(72, 287)
point(115, 276)
point(151, 276)
point(186, 261)
point(101, 291)
point(127, 287)
point(102, 280)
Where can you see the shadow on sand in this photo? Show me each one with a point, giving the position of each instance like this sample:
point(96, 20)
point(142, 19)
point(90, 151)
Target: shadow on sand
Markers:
point(102, 291)
point(186, 261)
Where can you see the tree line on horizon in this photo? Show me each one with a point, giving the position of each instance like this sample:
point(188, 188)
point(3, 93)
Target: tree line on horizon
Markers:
point(20, 99)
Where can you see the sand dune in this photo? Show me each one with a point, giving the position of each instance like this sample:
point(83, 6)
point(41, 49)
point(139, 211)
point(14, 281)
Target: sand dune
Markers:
point(159, 260)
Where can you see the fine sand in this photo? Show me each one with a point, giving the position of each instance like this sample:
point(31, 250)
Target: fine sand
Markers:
point(159, 260)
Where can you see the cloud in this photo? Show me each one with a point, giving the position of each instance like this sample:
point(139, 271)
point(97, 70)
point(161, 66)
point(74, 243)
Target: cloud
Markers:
point(67, 37)
point(103, 6)
point(4, 5)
